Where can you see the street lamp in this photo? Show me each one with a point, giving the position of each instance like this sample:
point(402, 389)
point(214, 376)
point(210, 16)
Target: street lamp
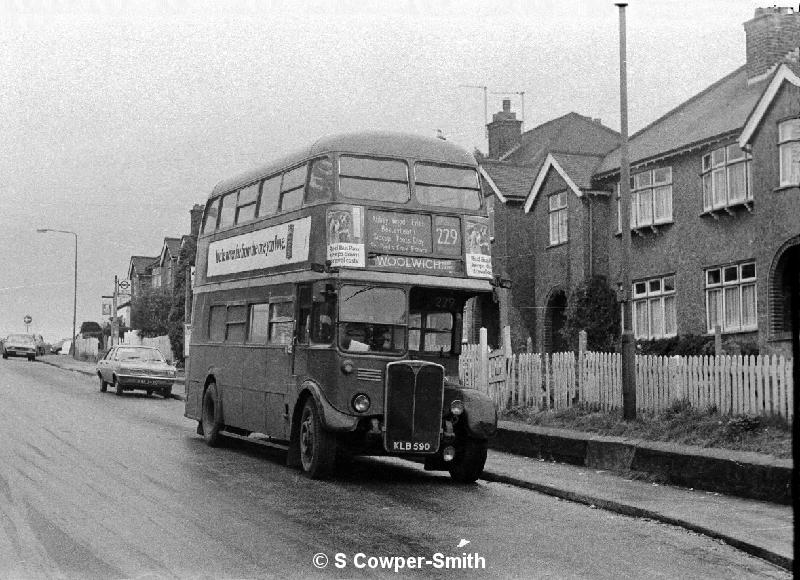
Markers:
point(75, 277)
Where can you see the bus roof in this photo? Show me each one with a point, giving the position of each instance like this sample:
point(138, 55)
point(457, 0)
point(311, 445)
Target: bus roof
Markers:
point(380, 143)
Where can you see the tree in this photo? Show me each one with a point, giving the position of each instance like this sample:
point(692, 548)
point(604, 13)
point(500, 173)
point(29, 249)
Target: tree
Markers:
point(150, 312)
point(593, 307)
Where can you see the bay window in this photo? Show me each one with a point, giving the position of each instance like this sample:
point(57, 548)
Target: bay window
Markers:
point(731, 298)
point(654, 308)
point(789, 151)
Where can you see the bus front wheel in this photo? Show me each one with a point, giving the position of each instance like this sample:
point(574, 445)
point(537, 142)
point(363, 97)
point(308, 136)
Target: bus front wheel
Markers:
point(468, 463)
point(317, 446)
point(211, 418)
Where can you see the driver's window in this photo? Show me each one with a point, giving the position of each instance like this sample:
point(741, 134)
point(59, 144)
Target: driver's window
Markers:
point(430, 331)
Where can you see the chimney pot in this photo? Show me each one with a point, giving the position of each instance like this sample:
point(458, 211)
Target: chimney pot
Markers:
point(506, 105)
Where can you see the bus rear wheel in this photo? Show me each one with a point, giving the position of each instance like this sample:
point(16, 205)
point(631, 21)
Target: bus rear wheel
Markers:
point(468, 463)
point(317, 446)
point(211, 417)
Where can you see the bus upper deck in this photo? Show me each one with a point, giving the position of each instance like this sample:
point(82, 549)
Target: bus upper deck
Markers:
point(374, 201)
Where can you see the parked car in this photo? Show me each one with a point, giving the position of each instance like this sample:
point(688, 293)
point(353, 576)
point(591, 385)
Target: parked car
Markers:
point(56, 347)
point(128, 368)
point(20, 345)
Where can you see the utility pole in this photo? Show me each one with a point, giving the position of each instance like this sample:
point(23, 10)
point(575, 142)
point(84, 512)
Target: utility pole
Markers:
point(114, 321)
point(628, 344)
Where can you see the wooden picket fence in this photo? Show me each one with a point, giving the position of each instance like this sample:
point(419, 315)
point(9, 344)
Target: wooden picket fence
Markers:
point(734, 385)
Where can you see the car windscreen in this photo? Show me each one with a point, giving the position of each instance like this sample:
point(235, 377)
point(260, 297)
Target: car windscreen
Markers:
point(21, 338)
point(141, 354)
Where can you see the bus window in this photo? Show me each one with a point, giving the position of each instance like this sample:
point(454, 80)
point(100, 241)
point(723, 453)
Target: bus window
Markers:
point(373, 179)
point(430, 331)
point(246, 207)
point(235, 324)
point(258, 326)
point(320, 181)
point(210, 219)
point(216, 323)
point(281, 315)
point(270, 192)
point(372, 319)
point(292, 188)
point(322, 314)
point(227, 210)
point(447, 186)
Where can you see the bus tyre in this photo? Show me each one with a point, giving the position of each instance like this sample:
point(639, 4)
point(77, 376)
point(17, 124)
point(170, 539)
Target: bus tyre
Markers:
point(211, 418)
point(317, 446)
point(468, 463)
point(103, 385)
point(118, 387)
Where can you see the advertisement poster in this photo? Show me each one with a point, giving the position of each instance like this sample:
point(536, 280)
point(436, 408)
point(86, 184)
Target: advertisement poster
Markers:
point(274, 246)
point(477, 244)
point(345, 237)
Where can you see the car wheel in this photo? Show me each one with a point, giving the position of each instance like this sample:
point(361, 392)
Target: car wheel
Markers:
point(103, 385)
point(5, 355)
point(166, 392)
point(317, 446)
point(468, 463)
point(149, 392)
point(118, 387)
point(211, 417)
point(31, 358)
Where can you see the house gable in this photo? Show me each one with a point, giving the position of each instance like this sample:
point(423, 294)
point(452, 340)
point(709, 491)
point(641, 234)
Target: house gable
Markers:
point(549, 164)
point(784, 74)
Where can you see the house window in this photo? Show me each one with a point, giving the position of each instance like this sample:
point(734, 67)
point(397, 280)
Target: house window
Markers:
point(651, 197)
point(654, 308)
point(558, 218)
point(726, 177)
point(731, 298)
point(789, 148)
point(156, 278)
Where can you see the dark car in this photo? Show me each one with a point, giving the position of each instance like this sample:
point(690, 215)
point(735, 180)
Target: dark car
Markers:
point(20, 345)
point(55, 348)
point(128, 367)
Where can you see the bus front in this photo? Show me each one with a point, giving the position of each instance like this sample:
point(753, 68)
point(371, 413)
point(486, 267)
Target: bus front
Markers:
point(401, 277)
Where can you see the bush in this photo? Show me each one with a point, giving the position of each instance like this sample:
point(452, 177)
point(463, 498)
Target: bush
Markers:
point(593, 307)
point(695, 345)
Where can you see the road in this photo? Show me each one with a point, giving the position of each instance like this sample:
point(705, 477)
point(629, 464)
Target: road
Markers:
point(93, 485)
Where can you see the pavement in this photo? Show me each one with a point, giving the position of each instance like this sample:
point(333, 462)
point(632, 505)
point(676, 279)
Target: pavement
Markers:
point(618, 475)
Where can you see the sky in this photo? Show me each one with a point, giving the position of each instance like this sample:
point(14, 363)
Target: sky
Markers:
point(117, 117)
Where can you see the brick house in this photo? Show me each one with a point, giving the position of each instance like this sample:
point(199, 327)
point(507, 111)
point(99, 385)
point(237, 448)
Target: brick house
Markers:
point(715, 217)
point(558, 156)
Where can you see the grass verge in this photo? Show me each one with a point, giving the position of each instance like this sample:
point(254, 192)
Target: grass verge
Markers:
point(679, 424)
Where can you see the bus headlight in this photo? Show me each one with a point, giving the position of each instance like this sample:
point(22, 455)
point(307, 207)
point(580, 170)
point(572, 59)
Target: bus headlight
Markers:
point(457, 407)
point(361, 403)
point(347, 366)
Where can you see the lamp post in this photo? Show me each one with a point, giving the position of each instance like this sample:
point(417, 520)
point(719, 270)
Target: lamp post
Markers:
point(75, 278)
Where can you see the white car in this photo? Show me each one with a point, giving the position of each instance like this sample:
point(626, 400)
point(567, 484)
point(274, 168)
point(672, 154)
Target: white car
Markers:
point(143, 368)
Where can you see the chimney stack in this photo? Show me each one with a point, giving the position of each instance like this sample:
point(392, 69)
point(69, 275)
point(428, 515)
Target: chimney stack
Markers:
point(505, 131)
point(772, 34)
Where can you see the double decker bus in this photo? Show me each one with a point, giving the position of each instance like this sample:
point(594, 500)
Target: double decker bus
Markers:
point(328, 305)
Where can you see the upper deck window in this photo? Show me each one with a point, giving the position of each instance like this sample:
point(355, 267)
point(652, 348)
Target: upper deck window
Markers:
point(294, 181)
point(447, 186)
point(270, 193)
point(210, 219)
point(373, 179)
point(320, 180)
point(246, 206)
point(227, 211)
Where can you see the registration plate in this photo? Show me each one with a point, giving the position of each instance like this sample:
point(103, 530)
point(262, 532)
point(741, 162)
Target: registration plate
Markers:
point(146, 382)
point(419, 446)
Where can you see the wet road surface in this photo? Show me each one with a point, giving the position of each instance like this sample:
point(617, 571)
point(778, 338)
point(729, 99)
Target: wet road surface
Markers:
point(93, 485)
